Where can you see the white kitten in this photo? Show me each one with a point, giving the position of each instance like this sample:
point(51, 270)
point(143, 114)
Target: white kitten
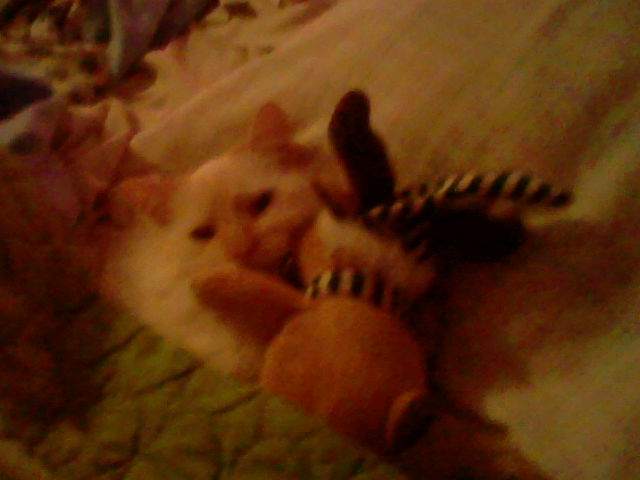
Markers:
point(247, 207)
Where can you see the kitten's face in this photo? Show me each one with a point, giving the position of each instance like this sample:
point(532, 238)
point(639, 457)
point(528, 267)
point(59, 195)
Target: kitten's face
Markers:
point(246, 209)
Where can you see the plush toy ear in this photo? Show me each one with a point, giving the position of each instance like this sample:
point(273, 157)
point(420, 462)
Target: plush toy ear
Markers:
point(361, 152)
point(264, 301)
point(271, 128)
point(148, 195)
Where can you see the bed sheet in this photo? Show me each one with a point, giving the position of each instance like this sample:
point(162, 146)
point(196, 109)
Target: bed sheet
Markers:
point(547, 343)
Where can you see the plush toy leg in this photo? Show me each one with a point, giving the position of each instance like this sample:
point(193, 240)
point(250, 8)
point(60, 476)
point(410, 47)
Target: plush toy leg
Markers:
point(351, 364)
point(263, 301)
point(409, 418)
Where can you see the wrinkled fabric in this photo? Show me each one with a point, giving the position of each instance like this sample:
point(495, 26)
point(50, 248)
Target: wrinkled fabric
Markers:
point(18, 92)
point(160, 415)
point(55, 163)
point(226, 40)
point(133, 25)
point(106, 39)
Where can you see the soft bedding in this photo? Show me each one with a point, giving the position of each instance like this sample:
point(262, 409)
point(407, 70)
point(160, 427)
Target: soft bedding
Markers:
point(544, 345)
point(161, 415)
point(547, 344)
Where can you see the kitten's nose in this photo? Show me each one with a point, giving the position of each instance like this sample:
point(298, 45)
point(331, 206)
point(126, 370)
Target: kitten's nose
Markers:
point(237, 241)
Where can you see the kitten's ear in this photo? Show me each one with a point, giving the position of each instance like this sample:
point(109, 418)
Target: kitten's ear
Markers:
point(271, 128)
point(360, 150)
point(147, 195)
point(272, 136)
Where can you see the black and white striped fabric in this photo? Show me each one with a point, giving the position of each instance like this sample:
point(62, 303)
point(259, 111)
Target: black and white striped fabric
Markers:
point(513, 186)
point(371, 288)
point(409, 219)
point(410, 214)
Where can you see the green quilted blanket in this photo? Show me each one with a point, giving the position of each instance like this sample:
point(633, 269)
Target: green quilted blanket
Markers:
point(160, 415)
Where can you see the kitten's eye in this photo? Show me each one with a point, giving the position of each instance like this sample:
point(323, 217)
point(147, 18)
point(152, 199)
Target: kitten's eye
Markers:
point(261, 203)
point(203, 233)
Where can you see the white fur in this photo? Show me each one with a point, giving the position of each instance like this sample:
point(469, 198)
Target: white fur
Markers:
point(353, 246)
point(152, 265)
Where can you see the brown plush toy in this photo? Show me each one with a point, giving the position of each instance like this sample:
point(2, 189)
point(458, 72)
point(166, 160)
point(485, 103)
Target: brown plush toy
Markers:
point(341, 352)
point(336, 357)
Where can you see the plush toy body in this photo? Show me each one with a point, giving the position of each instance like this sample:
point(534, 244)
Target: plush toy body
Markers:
point(351, 363)
point(342, 351)
point(336, 356)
